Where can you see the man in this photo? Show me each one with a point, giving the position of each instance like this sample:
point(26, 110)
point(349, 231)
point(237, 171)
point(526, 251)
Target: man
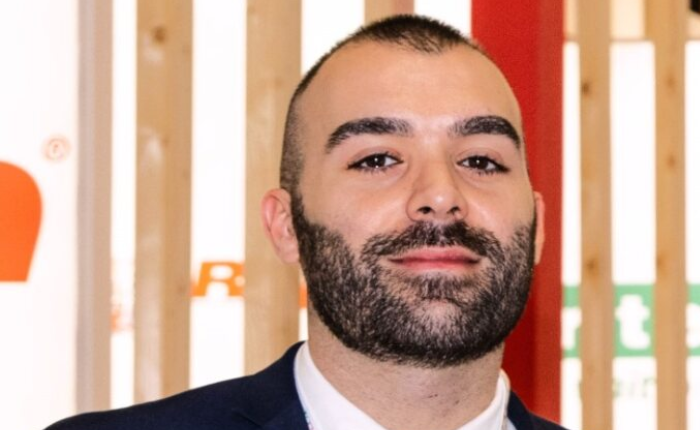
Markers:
point(405, 196)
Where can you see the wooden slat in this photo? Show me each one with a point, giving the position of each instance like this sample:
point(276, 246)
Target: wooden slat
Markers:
point(597, 294)
point(94, 201)
point(273, 71)
point(164, 130)
point(627, 20)
point(378, 9)
point(668, 32)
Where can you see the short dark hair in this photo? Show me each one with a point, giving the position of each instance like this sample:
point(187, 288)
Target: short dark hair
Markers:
point(412, 32)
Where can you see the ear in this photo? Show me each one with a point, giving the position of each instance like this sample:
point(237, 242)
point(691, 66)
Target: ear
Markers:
point(539, 234)
point(277, 222)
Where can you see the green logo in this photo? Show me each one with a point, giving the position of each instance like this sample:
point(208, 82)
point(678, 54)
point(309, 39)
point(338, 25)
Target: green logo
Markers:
point(634, 321)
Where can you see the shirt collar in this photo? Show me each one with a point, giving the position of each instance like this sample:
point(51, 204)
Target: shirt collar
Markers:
point(327, 409)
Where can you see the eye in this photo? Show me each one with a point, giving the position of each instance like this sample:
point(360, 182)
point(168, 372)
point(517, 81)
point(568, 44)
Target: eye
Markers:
point(375, 162)
point(483, 165)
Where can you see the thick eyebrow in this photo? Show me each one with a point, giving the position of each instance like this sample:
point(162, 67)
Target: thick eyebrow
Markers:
point(374, 125)
point(487, 124)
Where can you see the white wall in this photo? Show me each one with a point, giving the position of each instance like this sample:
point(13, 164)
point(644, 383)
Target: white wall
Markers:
point(38, 83)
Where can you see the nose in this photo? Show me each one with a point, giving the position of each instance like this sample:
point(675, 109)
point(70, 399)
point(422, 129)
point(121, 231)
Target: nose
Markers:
point(436, 195)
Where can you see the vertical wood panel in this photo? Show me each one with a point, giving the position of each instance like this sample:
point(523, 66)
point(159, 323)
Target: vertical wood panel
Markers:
point(164, 131)
point(378, 9)
point(627, 19)
point(667, 28)
point(628, 23)
point(273, 71)
point(94, 201)
point(597, 294)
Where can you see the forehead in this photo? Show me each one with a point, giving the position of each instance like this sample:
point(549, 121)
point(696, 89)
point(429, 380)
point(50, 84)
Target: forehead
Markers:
point(380, 79)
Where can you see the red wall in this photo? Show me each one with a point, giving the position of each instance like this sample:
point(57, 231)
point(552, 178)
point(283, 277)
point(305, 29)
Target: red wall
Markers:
point(526, 39)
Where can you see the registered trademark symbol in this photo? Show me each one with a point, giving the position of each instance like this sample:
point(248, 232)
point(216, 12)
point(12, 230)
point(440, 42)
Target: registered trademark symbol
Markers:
point(56, 148)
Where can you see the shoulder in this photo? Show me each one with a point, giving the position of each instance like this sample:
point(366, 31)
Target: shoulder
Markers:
point(202, 408)
point(236, 404)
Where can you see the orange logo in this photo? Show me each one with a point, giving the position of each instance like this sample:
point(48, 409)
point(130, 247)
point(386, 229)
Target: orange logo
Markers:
point(20, 217)
point(226, 272)
point(230, 274)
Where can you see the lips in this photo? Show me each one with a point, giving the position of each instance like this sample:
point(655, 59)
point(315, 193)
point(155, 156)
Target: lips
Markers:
point(436, 259)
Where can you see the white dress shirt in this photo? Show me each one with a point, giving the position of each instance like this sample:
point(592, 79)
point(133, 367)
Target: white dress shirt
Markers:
point(327, 409)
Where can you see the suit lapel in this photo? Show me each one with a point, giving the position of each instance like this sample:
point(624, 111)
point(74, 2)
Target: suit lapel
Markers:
point(271, 401)
point(518, 413)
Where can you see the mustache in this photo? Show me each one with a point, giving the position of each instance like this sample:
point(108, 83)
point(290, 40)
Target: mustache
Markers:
point(427, 234)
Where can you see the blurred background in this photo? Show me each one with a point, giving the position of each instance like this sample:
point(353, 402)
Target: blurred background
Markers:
point(136, 138)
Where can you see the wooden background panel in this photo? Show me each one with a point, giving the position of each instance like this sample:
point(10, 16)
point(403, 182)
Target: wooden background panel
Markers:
point(668, 32)
point(273, 71)
point(377, 9)
point(597, 294)
point(163, 188)
point(94, 200)
point(626, 19)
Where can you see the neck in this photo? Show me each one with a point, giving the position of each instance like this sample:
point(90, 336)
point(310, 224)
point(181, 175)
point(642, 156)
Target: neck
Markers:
point(405, 397)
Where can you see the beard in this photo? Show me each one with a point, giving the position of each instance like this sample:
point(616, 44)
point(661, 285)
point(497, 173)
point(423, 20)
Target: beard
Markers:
point(433, 320)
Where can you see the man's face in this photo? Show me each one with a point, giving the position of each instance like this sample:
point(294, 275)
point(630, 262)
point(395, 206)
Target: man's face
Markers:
point(416, 220)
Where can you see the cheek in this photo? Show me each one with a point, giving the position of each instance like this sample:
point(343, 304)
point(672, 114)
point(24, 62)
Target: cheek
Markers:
point(357, 216)
point(502, 213)
point(359, 219)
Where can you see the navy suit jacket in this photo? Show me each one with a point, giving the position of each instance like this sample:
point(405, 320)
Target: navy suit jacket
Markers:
point(265, 401)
